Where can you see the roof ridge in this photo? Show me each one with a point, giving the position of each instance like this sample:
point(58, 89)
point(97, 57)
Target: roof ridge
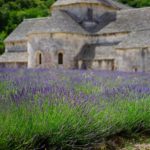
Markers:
point(108, 3)
point(134, 9)
point(39, 18)
point(60, 22)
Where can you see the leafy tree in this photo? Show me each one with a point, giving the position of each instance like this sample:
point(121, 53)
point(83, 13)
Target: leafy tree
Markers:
point(136, 3)
point(2, 37)
point(13, 12)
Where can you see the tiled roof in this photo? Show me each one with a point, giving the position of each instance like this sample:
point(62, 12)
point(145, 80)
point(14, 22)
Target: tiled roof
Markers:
point(129, 20)
point(20, 32)
point(136, 39)
point(14, 57)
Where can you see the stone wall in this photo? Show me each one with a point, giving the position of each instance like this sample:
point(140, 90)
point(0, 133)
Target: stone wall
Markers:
point(13, 65)
point(71, 45)
point(134, 59)
point(100, 52)
point(76, 55)
point(62, 43)
point(106, 57)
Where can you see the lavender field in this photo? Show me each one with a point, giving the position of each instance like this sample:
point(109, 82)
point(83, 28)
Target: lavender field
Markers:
point(70, 109)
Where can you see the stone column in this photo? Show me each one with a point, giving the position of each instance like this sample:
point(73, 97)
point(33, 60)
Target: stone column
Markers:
point(31, 56)
point(104, 65)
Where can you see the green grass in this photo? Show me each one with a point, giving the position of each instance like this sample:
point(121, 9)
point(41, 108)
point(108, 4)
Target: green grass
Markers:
point(63, 125)
point(87, 88)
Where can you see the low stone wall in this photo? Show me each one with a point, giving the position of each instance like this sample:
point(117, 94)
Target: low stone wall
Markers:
point(13, 65)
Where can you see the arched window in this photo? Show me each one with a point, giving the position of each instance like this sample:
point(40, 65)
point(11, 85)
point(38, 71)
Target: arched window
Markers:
point(39, 58)
point(135, 69)
point(60, 58)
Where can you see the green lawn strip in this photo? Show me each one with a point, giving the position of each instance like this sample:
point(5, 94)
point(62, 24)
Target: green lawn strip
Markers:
point(61, 125)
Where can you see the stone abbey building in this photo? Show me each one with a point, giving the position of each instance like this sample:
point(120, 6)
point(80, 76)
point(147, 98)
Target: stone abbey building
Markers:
point(82, 34)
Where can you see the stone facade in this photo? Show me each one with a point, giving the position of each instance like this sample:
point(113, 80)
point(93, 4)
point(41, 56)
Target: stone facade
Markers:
point(82, 34)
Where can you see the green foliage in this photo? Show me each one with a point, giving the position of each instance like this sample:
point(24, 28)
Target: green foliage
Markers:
point(87, 88)
point(13, 12)
point(3, 34)
point(136, 3)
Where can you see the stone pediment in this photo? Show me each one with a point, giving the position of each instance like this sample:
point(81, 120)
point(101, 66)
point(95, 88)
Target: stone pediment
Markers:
point(91, 22)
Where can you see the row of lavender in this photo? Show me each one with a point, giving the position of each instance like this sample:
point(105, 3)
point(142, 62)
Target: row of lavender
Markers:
point(77, 86)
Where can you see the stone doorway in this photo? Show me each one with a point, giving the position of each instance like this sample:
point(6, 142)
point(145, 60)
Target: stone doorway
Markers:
point(84, 64)
point(107, 64)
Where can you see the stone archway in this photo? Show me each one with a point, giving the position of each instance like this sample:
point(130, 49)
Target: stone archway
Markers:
point(85, 57)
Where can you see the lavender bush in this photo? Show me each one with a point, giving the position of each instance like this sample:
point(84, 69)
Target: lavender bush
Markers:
point(70, 109)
